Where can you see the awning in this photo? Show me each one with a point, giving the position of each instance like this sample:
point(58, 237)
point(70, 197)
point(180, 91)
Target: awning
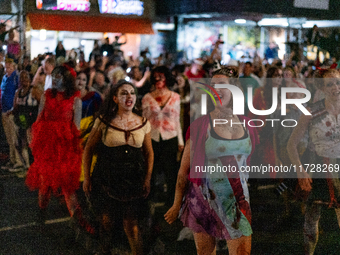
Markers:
point(79, 23)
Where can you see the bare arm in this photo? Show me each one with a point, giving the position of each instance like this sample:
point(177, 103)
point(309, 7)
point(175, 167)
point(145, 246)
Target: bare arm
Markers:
point(105, 60)
point(212, 55)
point(290, 60)
point(92, 75)
point(179, 127)
point(77, 111)
point(14, 103)
point(42, 104)
point(298, 133)
point(94, 138)
point(125, 39)
point(149, 158)
point(37, 93)
point(37, 75)
point(182, 180)
point(143, 80)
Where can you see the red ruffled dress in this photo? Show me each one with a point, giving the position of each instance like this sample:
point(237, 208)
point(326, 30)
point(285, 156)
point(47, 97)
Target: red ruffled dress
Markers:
point(56, 147)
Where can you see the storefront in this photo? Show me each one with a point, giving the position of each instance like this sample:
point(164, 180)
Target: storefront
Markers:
point(243, 37)
point(77, 23)
point(246, 26)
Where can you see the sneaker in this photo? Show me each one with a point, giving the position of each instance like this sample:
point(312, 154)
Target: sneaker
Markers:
point(8, 165)
point(16, 168)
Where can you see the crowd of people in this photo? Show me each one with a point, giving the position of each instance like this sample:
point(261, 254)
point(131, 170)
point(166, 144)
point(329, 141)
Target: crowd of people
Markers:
point(124, 131)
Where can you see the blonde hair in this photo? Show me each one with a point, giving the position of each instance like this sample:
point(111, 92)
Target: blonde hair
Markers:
point(322, 74)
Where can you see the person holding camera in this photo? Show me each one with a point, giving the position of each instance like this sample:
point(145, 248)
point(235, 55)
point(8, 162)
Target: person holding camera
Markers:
point(46, 68)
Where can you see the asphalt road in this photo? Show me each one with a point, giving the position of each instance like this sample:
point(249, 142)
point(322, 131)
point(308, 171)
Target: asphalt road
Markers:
point(273, 234)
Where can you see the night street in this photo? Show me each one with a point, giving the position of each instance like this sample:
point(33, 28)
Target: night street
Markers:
point(19, 233)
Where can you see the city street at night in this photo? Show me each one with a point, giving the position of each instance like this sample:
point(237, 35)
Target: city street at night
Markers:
point(180, 127)
point(19, 233)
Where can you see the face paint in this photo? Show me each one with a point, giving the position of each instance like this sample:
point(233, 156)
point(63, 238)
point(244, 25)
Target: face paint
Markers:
point(57, 81)
point(126, 97)
point(81, 81)
point(160, 80)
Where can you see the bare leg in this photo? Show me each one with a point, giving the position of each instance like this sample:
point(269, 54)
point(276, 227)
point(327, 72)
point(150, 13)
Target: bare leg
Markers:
point(71, 203)
point(133, 234)
point(105, 234)
point(44, 198)
point(311, 227)
point(337, 211)
point(205, 244)
point(239, 246)
point(76, 212)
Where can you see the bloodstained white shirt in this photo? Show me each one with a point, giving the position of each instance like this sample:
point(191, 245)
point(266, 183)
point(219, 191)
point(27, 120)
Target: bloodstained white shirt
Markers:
point(165, 122)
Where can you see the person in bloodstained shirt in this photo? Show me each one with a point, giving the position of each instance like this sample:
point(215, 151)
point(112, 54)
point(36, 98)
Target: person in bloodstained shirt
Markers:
point(162, 108)
point(318, 173)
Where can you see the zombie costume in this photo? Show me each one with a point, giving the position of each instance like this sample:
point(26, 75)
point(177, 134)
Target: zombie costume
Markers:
point(56, 147)
point(219, 204)
point(324, 162)
point(119, 174)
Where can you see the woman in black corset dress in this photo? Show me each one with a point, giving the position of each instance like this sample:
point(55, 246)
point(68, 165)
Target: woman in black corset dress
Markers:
point(121, 178)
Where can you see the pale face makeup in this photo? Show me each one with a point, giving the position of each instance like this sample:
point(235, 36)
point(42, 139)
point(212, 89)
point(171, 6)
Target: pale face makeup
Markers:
point(57, 81)
point(126, 97)
point(81, 81)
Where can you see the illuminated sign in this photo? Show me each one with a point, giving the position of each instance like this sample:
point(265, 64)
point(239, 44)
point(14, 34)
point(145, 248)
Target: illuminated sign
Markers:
point(312, 4)
point(121, 7)
point(64, 5)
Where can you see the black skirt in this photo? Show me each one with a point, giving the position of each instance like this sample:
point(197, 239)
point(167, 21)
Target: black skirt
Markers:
point(117, 180)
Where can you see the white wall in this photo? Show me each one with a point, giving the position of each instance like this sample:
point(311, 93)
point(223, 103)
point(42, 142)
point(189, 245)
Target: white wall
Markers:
point(41, 47)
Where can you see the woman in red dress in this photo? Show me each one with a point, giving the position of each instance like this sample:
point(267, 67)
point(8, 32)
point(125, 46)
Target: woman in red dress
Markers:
point(56, 144)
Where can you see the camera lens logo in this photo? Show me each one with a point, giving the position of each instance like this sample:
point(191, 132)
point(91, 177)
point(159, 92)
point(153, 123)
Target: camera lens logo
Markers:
point(204, 97)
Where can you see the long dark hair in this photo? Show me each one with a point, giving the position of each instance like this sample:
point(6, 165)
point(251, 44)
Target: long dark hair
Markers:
point(169, 78)
point(109, 108)
point(69, 82)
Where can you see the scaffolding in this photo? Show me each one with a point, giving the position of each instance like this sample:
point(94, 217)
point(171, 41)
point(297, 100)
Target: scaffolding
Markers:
point(15, 9)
